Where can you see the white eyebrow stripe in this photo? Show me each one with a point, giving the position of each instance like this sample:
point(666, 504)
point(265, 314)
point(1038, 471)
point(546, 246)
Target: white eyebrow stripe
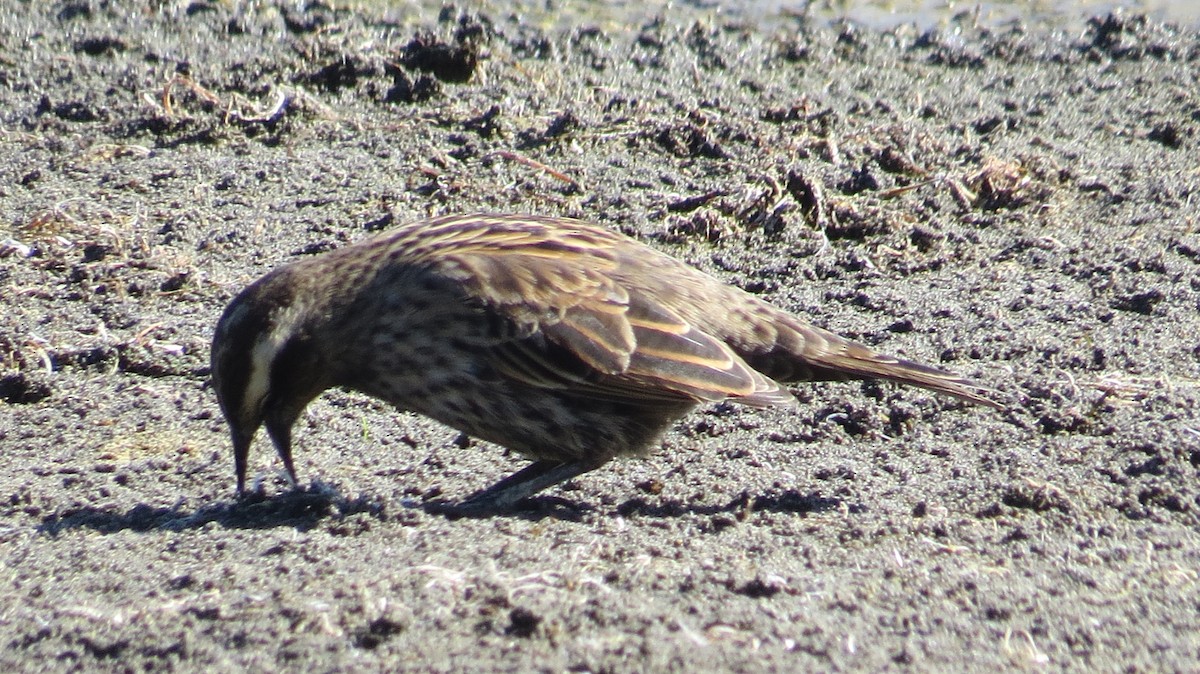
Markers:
point(258, 380)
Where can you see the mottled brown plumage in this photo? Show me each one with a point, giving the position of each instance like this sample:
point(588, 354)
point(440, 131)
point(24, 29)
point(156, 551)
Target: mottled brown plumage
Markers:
point(552, 337)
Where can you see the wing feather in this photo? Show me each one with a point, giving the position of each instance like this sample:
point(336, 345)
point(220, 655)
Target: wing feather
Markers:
point(595, 335)
point(598, 333)
point(676, 356)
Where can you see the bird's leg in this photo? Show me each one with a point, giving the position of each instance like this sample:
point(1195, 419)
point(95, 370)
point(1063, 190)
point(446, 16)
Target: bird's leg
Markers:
point(524, 483)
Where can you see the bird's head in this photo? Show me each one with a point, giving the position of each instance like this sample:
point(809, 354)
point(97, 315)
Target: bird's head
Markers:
point(265, 365)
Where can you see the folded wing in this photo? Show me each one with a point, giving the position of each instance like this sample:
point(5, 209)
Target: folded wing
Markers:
point(592, 334)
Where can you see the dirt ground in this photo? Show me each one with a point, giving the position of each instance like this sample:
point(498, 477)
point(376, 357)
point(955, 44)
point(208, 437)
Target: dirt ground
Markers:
point(1016, 203)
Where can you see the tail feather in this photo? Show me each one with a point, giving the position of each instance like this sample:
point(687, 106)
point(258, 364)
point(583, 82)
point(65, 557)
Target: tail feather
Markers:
point(859, 362)
point(805, 353)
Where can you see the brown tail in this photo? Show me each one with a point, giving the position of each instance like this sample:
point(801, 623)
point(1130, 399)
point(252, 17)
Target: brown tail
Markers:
point(812, 354)
point(859, 362)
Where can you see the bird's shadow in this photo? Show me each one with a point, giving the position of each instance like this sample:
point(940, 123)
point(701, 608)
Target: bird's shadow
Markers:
point(301, 509)
point(740, 507)
point(305, 508)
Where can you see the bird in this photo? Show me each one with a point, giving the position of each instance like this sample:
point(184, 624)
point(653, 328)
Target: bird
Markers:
point(561, 340)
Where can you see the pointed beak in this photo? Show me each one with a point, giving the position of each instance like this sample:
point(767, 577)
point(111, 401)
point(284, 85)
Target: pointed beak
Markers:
point(281, 435)
point(241, 453)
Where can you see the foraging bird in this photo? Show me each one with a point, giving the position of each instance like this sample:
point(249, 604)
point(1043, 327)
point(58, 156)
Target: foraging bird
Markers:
point(563, 341)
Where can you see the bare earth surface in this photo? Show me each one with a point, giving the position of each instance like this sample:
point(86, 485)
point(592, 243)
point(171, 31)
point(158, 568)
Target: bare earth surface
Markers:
point(1016, 204)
